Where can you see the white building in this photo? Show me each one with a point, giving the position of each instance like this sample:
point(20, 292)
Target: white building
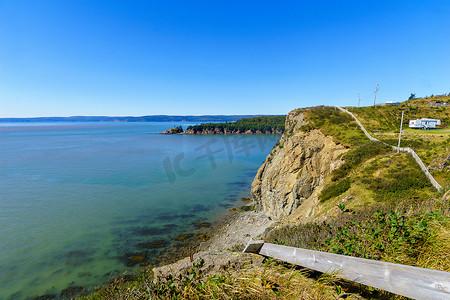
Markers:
point(424, 123)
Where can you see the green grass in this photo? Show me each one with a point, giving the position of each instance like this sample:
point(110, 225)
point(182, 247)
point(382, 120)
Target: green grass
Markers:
point(372, 173)
point(383, 122)
point(378, 234)
point(386, 118)
point(270, 280)
point(357, 155)
point(396, 178)
point(335, 189)
point(331, 121)
point(443, 132)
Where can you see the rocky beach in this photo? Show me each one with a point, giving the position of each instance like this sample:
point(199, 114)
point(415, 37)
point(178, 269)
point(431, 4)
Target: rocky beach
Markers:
point(227, 238)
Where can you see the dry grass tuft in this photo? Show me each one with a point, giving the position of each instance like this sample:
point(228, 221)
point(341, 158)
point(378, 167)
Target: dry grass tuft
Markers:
point(436, 251)
point(272, 281)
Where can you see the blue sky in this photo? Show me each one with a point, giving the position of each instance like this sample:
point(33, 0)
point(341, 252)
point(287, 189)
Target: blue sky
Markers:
point(63, 58)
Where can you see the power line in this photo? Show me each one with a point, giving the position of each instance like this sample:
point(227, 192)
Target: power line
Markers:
point(375, 99)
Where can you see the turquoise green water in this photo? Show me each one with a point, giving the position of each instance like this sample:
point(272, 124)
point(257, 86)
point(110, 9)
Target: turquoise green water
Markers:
point(76, 198)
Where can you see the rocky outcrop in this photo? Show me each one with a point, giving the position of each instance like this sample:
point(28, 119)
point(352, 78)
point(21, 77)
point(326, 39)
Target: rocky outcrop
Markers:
point(440, 163)
point(232, 232)
point(295, 170)
point(215, 262)
point(176, 130)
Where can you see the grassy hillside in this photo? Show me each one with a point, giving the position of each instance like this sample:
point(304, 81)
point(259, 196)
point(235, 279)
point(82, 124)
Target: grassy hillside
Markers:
point(372, 172)
point(432, 146)
point(378, 204)
point(333, 122)
point(385, 119)
point(266, 280)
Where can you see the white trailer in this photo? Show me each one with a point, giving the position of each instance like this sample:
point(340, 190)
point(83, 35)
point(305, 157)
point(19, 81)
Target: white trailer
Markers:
point(424, 123)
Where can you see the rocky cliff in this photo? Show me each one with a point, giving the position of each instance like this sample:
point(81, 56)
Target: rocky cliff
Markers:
point(291, 178)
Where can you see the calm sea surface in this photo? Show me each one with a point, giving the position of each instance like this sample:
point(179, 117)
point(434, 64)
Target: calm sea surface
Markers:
point(77, 198)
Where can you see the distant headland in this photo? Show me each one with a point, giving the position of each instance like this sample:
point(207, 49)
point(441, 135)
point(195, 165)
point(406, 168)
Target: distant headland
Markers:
point(255, 125)
point(150, 118)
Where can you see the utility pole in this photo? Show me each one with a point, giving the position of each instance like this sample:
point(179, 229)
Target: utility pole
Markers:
point(400, 135)
point(374, 99)
point(359, 99)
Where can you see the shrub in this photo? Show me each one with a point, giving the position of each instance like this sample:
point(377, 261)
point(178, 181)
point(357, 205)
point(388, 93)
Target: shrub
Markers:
point(401, 179)
point(335, 189)
point(358, 155)
point(333, 122)
point(378, 234)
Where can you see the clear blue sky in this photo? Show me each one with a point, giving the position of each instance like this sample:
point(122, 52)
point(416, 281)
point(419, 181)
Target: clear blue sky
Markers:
point(63, 58)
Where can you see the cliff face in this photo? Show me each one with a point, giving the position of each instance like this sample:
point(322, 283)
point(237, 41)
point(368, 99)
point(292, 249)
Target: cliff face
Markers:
point(292, 176)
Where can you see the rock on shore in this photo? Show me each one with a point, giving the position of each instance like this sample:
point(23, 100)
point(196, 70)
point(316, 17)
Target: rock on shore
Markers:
point(222, 251)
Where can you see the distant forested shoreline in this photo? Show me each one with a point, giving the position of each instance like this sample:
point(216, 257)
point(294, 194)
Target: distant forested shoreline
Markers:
point(254, 125)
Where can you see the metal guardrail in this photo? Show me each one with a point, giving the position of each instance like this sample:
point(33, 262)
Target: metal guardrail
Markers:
point(413, 153)
point(408, 281)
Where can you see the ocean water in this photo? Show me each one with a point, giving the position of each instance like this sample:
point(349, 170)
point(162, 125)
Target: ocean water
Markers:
point(77, 199)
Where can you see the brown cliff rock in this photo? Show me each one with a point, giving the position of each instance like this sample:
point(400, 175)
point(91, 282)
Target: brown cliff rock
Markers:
point(295, 170)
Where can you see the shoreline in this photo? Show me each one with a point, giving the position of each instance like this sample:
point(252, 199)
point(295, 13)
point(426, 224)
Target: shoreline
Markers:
point(235, 229)
point(224, 250)
point(231, 231)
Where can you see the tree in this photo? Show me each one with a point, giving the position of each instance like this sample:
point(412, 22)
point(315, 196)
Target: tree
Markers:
point(413, 96)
